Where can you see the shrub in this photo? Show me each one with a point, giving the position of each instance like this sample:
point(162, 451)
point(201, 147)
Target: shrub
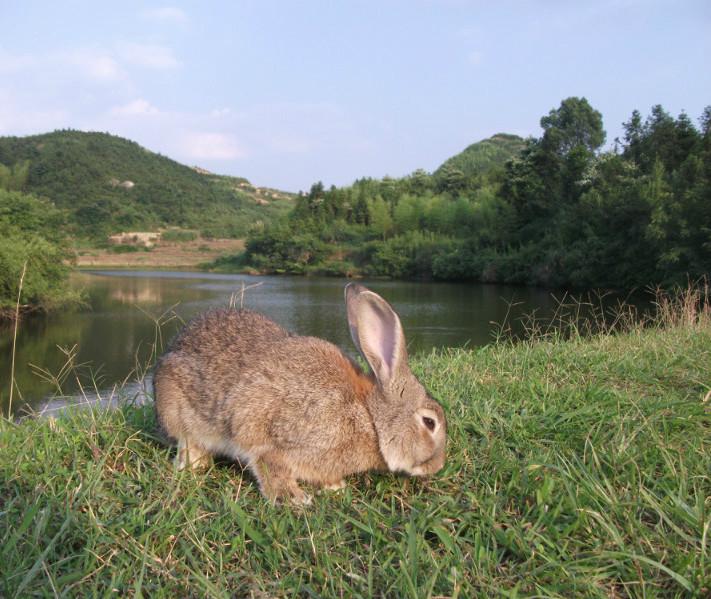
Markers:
point(125, 248)
point(31, 233)
point(406, 256)
point(178, 235)
point(45, 282)
point(278, 249)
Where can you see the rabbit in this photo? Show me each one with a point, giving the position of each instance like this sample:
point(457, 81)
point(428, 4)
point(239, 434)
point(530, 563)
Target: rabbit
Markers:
point(295, 408)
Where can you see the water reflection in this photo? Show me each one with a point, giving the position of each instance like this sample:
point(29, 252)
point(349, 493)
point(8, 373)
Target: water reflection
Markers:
point(139, 291)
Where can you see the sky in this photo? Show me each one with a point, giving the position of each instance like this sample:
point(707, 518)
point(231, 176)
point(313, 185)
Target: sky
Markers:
point(288, 93)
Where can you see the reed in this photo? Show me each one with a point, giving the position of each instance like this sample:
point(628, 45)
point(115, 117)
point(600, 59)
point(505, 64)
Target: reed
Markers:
point(14, 337)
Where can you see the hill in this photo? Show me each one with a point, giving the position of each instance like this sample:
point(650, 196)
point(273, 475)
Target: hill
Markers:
point(483, 156)
point(105, 184)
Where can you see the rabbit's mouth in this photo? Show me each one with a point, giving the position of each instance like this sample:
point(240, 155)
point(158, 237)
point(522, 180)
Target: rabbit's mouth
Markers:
point(399, 459)
point(431, 466)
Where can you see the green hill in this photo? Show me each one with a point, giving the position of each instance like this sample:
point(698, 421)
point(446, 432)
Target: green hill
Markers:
point(106, 184)
point(482, 156)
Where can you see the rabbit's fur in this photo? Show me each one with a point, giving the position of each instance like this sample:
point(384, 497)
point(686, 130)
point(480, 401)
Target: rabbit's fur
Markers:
point(296, 408)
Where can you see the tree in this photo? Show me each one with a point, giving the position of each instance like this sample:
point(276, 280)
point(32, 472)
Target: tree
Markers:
point(574, 124)
point(408, 213)
point(634, 132)
point(419, 181)
point(15, 177)
point(660, 137)
point(680, 190)
point(381, 223)
point(361, 212)
point(451, 180)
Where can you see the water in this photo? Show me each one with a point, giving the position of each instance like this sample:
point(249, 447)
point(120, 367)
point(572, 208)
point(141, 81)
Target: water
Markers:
point(114, 339)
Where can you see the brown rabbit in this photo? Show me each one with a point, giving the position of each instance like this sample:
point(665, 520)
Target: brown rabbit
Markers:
point(297, 408)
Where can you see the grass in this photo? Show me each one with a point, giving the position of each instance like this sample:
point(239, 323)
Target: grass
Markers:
point(577, 467)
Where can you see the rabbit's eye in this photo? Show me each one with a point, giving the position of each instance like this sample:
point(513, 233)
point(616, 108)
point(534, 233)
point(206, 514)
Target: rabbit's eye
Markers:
point(428, 422)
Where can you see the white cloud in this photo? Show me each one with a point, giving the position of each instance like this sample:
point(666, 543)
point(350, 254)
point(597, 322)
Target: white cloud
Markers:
point(90, 63)
point(166, 14)
point(97, 66)
point(211, 146)
point(139, 107)
point(148, 56)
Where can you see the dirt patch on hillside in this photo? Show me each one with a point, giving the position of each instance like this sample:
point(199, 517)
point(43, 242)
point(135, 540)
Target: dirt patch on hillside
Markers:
point(183, 254)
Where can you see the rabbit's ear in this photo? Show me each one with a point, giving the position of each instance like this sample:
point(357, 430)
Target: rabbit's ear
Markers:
point(376, 332)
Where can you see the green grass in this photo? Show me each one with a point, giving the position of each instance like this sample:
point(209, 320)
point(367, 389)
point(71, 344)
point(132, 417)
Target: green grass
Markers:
point(576, 468)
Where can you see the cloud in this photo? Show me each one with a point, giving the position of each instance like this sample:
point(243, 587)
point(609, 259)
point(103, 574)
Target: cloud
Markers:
point(139, 107)
point(166, 14)
point(211, 146)
point(149, 56)
point(96, 66)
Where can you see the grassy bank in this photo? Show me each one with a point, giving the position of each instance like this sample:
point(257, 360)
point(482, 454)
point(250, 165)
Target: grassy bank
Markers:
point(576, 468)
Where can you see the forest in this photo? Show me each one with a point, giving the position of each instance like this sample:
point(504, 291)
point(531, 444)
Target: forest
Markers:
point(554, 211)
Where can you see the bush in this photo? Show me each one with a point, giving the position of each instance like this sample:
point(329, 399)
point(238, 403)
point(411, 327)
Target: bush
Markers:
point(279, 249)
point(45, 283)
point(334, 268)
point(178, 235)
point(25, 213)
point(31, 233)
point(125, 248)
point(406, 256)
point(229, 262)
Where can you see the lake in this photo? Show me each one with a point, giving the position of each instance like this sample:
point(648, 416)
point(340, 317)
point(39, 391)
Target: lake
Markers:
point(113, 340)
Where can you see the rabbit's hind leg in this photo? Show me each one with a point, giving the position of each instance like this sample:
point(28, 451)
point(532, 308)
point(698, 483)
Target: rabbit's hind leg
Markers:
point(277, 481)
point(190, 455)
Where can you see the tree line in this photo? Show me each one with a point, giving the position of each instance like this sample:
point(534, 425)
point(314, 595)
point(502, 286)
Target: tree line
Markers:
point(561, 212)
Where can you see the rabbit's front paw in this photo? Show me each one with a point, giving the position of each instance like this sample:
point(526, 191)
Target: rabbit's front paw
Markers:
point(277, 482)
point(191, 456)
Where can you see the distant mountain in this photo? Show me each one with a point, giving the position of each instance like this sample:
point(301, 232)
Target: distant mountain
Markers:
point(482, 156)
point(107, 184)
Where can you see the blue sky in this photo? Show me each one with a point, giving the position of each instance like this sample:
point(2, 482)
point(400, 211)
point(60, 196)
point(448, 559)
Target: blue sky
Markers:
point(287, 93)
